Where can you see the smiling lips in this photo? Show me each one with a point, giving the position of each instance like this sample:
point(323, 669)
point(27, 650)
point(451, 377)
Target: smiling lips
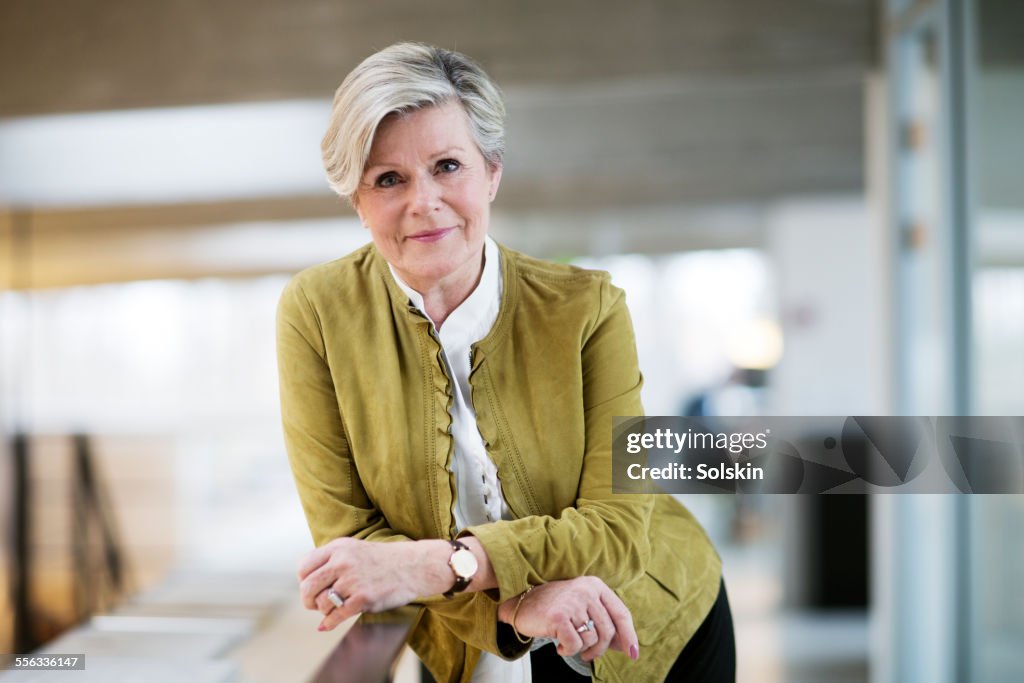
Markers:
point(430, 235)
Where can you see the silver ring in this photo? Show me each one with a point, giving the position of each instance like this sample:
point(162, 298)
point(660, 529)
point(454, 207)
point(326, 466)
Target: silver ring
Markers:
point(589, 626)
point(336, 599)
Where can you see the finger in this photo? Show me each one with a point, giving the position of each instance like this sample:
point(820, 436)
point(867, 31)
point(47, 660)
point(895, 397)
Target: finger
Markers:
point(315, 584)
point(569, 641)
point(323, 599)
point(338, 615)
point(604, 630)
point(591, 640)
point(625, 635)
point(311, 561)
point(588, 636)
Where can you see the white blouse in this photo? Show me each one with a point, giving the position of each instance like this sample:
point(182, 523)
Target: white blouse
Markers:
point(478, 498)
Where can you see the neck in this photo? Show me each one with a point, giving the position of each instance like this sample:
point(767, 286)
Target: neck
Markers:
point(440, 302)
point(443, 297)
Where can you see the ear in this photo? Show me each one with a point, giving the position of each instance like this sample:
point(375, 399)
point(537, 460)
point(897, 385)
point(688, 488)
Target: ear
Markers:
point(495, 181)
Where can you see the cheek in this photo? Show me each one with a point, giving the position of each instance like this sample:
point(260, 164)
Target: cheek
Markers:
point(472, 199)
point(379, 217)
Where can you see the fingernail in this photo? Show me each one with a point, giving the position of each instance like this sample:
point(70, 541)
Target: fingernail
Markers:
point(634, 652)
point(321, 627)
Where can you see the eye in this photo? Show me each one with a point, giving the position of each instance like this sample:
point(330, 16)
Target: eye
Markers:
point(386, 180)
point(448, 165)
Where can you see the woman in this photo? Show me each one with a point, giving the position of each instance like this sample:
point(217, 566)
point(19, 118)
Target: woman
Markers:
point(447, 406)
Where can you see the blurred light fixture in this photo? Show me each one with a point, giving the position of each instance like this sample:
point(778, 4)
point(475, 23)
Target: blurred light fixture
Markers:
point(755, 345)
point(178, 154)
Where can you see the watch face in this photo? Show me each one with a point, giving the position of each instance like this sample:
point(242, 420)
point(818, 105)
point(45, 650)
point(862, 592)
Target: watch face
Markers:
point(464, 563)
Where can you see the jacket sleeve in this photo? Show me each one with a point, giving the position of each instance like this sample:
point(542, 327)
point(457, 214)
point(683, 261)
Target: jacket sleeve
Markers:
point(333, 498)
point(604, 534)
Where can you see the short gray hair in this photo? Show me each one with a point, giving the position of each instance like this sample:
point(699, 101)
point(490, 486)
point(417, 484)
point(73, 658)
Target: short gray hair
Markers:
point(398, 79)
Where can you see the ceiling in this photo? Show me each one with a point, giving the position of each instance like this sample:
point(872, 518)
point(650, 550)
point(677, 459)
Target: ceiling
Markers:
point(612, 105)
point(111, 54)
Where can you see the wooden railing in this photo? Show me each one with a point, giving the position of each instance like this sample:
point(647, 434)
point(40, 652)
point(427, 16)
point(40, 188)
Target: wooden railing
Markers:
point(204, 627)
point(369, 652)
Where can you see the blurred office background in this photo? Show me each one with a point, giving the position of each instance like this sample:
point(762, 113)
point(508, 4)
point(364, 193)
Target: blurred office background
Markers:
point(815, 207)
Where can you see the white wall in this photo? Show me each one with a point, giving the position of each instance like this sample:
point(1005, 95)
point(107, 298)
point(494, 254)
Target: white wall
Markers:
point(829, 256)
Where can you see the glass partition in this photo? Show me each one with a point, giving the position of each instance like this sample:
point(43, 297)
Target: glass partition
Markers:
point(995, 112)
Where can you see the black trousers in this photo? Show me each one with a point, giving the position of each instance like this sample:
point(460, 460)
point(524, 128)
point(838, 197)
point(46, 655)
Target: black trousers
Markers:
point(709, 657)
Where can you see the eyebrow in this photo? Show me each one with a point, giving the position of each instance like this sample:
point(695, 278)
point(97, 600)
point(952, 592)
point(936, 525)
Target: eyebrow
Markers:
point(433, 157)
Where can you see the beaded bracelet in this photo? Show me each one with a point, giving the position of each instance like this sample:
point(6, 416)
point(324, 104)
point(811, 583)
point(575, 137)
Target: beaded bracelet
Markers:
point(515, 613)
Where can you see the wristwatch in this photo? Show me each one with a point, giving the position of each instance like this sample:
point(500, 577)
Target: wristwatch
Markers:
point(464, 565)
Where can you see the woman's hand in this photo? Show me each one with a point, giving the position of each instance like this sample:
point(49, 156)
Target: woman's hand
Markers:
point(371, 577)
point(560, 608)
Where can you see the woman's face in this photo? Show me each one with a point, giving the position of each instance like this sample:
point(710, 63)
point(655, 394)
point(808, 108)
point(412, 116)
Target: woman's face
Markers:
point(425, 197)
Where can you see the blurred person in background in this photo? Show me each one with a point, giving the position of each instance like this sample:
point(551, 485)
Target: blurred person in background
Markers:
point(447, 407)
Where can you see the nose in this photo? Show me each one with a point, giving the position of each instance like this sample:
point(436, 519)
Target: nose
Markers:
point(426, 194)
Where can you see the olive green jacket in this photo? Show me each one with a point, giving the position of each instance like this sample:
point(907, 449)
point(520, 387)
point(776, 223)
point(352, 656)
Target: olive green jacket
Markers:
point(365, 400)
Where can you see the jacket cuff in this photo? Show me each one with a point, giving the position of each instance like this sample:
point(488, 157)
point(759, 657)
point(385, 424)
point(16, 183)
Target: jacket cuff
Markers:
point(510, 571)
point(475, 622)
point(509, 645)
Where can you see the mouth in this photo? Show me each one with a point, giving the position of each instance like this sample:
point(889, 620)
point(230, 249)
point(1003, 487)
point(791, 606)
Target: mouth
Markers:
point(430, 235)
